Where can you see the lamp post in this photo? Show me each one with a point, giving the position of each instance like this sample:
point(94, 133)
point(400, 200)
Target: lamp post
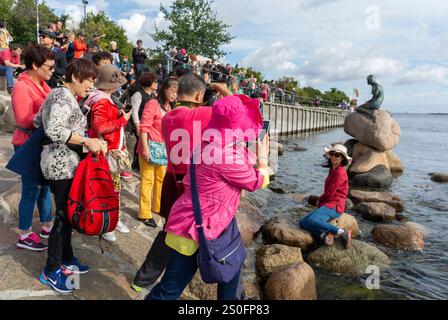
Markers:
point(37, 21)
point(85, 3)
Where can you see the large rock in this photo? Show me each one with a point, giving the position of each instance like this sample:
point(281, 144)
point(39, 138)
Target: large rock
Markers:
point(376, 211)
point(372, 196)
point(312, 200)
point(366, 158)
point(347, 221)
point(439, 177)
point(287, 232)
point(199, 290)
point(404, 237)
point(395, 163)
point(281, 149)
point(350, 145)
point(295, 282)
point(382, 134)
point(271, 258)
point(352, 261)
point(7, 121)
point(379, 177)
point(249, 221)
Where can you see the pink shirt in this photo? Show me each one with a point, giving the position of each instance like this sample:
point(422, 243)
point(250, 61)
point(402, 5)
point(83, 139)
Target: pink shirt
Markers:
point(26, 100)
point(219, 188)
point(151, 122)
point(8, 55)
point(185, 127)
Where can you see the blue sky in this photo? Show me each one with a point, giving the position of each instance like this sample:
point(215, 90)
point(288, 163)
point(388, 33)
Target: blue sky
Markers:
point(323, 43)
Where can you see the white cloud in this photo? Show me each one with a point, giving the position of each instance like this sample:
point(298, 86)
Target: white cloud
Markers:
point(424, 73)
point(133, 25)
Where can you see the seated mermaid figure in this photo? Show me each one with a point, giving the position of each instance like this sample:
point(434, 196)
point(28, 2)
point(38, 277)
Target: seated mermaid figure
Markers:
point(376, 101)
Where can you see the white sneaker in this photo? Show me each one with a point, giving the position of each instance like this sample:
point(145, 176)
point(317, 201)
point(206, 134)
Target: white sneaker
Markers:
point(110, 236)
point(122, 227)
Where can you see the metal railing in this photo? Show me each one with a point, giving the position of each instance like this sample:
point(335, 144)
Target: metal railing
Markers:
point(276, 94)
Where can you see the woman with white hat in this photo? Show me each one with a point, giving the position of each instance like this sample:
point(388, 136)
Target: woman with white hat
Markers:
point(332, 203)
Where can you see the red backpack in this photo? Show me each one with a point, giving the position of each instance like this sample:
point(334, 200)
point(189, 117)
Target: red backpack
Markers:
point(93, 204)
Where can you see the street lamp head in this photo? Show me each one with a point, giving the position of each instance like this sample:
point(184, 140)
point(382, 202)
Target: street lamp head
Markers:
point(85, 2)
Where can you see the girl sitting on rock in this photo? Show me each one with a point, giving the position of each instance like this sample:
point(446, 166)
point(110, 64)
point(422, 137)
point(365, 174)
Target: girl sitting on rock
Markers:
point(332, 203)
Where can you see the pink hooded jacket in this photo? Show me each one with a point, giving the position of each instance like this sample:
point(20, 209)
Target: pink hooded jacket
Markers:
point(219, 187)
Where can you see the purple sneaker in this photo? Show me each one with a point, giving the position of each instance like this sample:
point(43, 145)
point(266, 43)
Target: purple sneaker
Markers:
point(31, 242)
point(45, 233)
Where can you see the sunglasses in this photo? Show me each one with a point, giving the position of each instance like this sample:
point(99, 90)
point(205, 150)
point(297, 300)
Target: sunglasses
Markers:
point(49, 67)
point(335, 154)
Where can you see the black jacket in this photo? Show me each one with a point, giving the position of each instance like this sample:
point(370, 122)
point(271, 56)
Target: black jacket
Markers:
point(60, 67)
point(139, 56)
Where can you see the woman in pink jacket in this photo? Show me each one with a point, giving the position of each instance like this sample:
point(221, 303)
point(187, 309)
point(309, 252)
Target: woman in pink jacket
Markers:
point(227, 168)
point(27, 98)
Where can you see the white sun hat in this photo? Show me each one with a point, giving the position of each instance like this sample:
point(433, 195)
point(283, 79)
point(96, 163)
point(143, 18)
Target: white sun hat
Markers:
point(339, 148)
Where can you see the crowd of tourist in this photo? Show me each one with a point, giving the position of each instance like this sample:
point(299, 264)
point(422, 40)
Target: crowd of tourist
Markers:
point(73, 98)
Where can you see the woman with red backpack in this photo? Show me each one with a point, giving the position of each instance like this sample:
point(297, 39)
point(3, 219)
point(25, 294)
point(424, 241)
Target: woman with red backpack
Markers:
point(65, 127)
point(108, 123)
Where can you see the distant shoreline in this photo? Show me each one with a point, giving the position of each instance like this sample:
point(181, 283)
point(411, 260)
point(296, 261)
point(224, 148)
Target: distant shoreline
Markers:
point(422, 113)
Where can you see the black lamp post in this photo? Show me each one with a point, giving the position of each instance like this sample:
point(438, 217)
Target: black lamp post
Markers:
point(85, 3)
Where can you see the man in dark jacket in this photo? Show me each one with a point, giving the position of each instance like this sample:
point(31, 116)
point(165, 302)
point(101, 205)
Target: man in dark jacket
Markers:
point(139, 56)
point(47, 38)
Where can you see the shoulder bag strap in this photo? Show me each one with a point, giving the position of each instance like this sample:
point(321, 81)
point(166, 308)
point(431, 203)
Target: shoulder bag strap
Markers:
point(195, 197)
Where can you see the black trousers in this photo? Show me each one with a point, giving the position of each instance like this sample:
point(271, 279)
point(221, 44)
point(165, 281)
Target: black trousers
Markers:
point(157, 257)
point(60, 240)
point(155, 262)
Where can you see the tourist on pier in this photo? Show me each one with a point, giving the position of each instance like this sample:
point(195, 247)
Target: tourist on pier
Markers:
point(145, 91)
point(65, 128)
point(219, 186)
point(5, 37)
point(139, 57)
point(152, 171)
point(27, 98)
point(102, 58)
point(47, 39)
point(115, 53)
point(332, 203)
point(80, 46)
point(9, 63)
point(188, 112)
point(70, 53)
point(108, 122)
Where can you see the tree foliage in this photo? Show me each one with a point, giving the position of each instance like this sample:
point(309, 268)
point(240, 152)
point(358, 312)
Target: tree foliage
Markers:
point(335, 95)
point(99, 23)
point(21, 19)
point(287, 83)
point(193, 25)
point(5, 9)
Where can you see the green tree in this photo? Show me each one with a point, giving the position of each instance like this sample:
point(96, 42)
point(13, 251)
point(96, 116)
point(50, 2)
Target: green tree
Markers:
point(22, 20)
point(99, 23)
point(5, 9)
point(335, 95)
point(287, 83)
point(310, 92)
point(194, 26)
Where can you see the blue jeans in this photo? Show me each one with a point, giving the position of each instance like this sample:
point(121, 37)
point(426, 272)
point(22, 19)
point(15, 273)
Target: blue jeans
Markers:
point(8, 72)
point(178, 274)
point(317, 221)
point(32, 192)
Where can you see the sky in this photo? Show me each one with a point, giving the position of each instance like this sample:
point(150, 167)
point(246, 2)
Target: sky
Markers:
point(322, 43)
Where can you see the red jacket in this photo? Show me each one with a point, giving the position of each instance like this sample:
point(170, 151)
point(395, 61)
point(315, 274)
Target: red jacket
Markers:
point(107, 121)
point(26, 100)
point(336, 190)
point(80, 48)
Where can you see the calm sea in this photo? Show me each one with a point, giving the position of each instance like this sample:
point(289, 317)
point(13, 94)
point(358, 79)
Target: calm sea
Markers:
point(423, 149)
